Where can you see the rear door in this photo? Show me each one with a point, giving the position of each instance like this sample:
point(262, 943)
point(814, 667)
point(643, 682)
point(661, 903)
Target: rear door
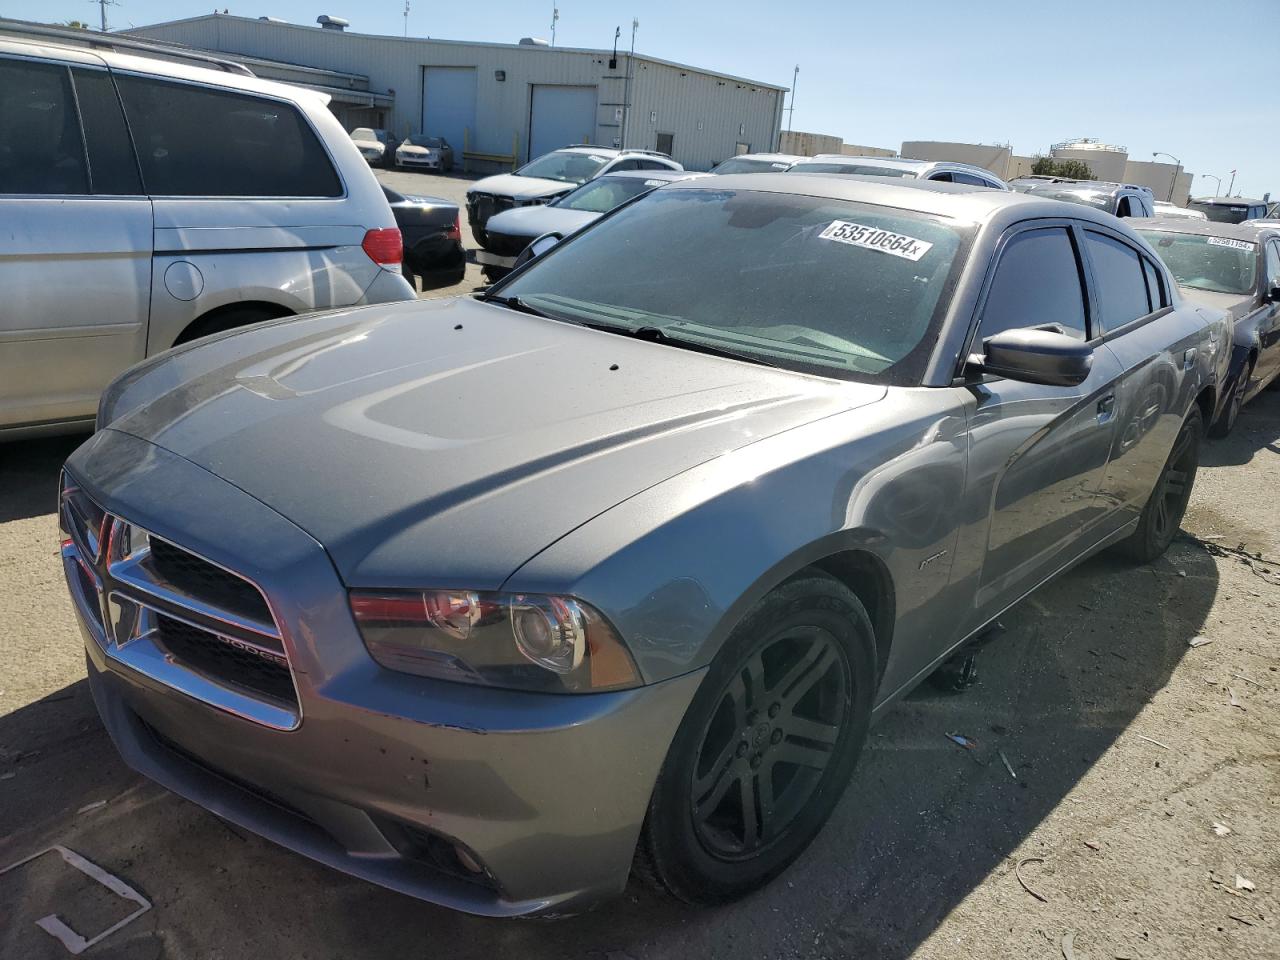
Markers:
point(75, 248)
point(1037, 453)
point(1154, 345)
point(1269, 329)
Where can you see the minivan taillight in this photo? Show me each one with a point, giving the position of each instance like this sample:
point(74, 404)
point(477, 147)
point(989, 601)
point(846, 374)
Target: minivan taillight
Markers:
point(385, 247)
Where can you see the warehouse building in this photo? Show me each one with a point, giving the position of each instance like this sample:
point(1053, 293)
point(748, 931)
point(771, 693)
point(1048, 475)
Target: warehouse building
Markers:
point(504, 103)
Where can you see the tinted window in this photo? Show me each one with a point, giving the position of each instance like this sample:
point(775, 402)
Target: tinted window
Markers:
point(631, 164)
point(1220, 212)
point(1117, 275)
point(1037, 282)
point(945, 178)
point(198, 142)
point(1122, 208)
point(652, 165)
point(40, 147)
point(112, 166)
point(1155, 285)
point(1273, 263)
point(810, 283)
point(971, 179)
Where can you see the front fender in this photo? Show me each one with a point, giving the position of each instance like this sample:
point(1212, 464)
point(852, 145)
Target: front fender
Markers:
point(675, 567)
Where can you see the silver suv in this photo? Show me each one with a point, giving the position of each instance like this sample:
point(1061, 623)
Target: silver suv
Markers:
point(552, 175)
point(938, 171)
point(147, 203)
point(1117, 199)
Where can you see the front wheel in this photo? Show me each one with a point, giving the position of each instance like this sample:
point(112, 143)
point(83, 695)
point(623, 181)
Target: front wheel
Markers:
point(767, 746)
point(1163, 513)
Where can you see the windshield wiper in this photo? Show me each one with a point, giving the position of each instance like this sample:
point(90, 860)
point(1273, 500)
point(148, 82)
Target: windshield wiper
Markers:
point(515, 303)
point(658, 335)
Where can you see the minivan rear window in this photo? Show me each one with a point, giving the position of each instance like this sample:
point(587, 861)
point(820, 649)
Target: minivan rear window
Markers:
point(195, 141)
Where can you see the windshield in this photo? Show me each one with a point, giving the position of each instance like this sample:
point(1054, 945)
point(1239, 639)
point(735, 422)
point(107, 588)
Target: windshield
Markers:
point(743, 165)
point(418, 140)
point(859, 169)
point(1221, 212)
point(564, 166)
point(601, 196)
point(1216, 264)
point(809, 283)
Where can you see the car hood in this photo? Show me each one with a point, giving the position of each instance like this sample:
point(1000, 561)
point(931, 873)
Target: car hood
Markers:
point(509, 185)
point(1238, 305)
point(444, 443)
point(533, 222)
point(414, 148)
point(369, 145)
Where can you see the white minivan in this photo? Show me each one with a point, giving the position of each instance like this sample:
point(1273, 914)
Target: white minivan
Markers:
point(144, 203)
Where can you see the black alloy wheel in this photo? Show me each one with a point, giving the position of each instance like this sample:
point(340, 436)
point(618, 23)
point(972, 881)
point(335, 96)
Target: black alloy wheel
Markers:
point(766, 747)
point(769, 741)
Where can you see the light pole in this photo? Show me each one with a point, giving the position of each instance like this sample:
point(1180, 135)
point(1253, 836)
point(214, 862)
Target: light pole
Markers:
point(1173, 181)
point(1232, 185)
point(1218, 188)
point(795, 76)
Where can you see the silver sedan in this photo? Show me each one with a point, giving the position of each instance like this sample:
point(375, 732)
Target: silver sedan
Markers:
point(486, 599)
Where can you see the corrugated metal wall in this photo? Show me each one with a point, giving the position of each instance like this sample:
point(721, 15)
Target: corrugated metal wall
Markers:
point(704, 113)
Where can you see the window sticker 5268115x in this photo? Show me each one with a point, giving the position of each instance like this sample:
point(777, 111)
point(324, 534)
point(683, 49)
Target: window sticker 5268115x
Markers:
point(873, 238)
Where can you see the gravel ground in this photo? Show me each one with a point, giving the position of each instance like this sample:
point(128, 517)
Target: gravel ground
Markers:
point(1123, 738)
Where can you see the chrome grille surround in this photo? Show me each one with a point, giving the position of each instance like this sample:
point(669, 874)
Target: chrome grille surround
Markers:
point(124, 600)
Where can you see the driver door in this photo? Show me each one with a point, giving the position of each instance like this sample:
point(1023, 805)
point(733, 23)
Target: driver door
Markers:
point(1037, 454)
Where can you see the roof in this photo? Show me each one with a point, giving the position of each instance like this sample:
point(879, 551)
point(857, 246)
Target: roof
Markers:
point(1229, 201)
point(283, 25)
point(1251, 230)
point(668, 175)
point(768, 157)
point(889, 163)
point(958, 201)
point(154, 66)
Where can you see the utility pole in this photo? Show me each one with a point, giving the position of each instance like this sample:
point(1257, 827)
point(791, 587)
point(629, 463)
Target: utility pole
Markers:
point(102, 10)
point(406, 17)
point(795, 76)
point(555, 16)
point(626, 84)
point(1231, 186)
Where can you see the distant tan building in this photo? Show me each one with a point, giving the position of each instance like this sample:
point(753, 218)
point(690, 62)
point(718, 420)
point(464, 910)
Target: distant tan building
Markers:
point(1166, 180)
point(993, 157)
point(1106, 160)
point(857, 150)
point(808, 144)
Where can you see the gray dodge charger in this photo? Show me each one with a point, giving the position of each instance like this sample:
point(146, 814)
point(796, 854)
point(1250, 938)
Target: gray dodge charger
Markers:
point(488, 599)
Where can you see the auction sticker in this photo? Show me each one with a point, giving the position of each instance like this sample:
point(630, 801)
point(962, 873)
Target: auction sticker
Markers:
point(873, 238)
point(1233, 244)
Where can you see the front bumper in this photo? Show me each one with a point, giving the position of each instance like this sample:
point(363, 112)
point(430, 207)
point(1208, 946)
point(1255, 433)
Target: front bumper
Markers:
point(409, 783)
point(427, 163)
point(488, 259)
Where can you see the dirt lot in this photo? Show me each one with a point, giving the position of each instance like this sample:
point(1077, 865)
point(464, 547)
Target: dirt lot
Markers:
point(1123, 738)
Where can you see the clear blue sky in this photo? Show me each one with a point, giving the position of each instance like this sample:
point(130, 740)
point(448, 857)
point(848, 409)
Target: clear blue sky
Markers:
point(1195, 78)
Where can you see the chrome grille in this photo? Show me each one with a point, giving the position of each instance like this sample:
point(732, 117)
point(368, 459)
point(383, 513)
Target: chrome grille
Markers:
point(175, 616)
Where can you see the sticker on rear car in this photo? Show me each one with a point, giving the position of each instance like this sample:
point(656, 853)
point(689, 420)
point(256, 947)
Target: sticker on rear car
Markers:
point(873, 238)
point(1233, 244)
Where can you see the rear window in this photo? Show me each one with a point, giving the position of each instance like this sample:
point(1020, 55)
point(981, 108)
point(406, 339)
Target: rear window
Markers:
point(200, 142)
point(1216, 264)
point(1221, 212)
point(810, 283)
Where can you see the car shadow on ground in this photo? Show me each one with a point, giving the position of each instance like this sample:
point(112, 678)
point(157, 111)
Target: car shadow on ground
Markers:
point(29, 475)
point(1255, 430)
point(923, 823)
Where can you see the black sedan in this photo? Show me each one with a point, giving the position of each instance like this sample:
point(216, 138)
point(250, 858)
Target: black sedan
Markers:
point(432, 236)
point(1234, 267)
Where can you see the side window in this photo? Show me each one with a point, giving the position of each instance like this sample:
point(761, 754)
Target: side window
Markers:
point(112, 166)
point(1123, 209)
point(653, 165)
point(1120, 280)
point(971, 178)
point(40, 147)
point(629, 164)
point(1273, 264)
point(943, 178)
point(1037, 283)
point(1155, 285)
point(201, 142)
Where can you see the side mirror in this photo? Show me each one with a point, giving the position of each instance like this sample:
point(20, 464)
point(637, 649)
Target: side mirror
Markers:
point(1036, 356)
point(1274, 293)
point(537, 248)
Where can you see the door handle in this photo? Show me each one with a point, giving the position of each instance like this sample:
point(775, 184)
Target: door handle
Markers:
point(1106, 407)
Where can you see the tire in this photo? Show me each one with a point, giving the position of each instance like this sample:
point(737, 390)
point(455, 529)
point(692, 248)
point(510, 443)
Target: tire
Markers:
point(226, 320)
point(1160, 518)
point(1231, 412)
point(767, 746)
point(478, 232)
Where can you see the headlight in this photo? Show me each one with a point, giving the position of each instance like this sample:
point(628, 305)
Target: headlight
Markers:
point(522, 641)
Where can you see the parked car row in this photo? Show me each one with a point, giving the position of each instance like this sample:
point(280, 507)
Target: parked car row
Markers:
point(380, 148)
